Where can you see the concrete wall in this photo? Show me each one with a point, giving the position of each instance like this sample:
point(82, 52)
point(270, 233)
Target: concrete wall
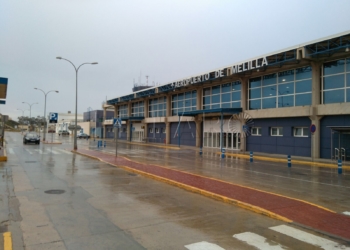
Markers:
point(286, 144)
point(187, 133)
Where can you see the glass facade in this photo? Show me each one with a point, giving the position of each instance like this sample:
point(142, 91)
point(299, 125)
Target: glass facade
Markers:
point(336, 81)
point(123, 111)
point(157, 107)
point(137, 109)
point(184, 102)
point(283, 89)
point(227, 95)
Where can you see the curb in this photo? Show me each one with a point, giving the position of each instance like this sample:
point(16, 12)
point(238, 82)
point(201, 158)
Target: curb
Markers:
point(7, 241)
point(265, 158)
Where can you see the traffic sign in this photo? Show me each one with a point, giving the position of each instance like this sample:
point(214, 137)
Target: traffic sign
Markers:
point(53, 117)
point(313, 128)
point(117, 122)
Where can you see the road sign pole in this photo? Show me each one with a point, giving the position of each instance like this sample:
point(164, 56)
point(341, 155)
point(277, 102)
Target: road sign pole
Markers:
point(116, 142)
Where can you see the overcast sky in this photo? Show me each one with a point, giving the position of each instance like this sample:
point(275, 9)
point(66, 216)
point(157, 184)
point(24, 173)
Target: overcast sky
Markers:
point(166, 40)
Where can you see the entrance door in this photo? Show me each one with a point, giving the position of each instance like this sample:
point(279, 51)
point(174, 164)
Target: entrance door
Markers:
point(340, 145)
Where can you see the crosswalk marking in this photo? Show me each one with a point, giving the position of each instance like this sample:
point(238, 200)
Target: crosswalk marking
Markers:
point(308, 238)
point(203, 246)
point(11, 151)
point(258, 241)
point(40, 151)
point(346, 213)
point(52, 151)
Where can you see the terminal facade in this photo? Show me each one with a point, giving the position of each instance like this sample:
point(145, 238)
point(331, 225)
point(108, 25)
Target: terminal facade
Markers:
point(265, 104)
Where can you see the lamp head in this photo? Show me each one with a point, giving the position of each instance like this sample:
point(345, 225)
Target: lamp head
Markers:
point(56, 91)
point(58, 57)
point(94, 63)
point(35, 88)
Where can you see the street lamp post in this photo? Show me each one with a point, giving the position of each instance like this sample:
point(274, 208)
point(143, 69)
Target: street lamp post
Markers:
point(45, 93)
point(76, 96)
point(23, 115)
point(30, 110)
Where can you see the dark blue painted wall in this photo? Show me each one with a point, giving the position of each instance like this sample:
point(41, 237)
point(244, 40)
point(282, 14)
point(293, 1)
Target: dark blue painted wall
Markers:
point(156, 137)
point(123, 132)
point(325, 140)
point(109, 134)
point(286, 144)
point(187, 133)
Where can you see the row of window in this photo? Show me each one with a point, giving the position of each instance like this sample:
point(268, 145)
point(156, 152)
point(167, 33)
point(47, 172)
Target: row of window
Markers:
point(278, 131)
point(162, 130)
point(287, 88)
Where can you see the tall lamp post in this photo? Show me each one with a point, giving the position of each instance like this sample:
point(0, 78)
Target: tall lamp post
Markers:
point(76, 96)
point(45, 93)
point(30, 110)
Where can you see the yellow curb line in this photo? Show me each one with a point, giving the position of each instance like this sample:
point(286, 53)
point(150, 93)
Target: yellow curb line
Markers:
point(4, 157)
point(7, 241)
point(264, 158)
point(151, 145)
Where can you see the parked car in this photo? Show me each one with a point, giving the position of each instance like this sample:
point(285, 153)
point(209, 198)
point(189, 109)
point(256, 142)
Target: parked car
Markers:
point(31, 138)
point(83, 135)
point(63, 132)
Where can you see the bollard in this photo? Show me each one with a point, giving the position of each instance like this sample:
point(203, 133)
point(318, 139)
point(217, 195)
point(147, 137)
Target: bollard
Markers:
point(104, 145)
point(200, 151)
point(289, 161)
point(223, 153)
point(340, 169)
point(251, 156)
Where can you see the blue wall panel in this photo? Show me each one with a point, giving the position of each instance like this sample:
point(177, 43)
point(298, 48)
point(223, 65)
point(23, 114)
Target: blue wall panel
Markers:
point(187, 133)
point(286, 144)
point(156, 137)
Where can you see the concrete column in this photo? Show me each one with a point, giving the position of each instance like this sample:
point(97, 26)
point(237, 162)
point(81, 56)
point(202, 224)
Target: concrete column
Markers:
point(199, 98)
point(128, 132)
point(315, 138)
point(146, 108)
point(244, 93)
point(167, 132)
point(168, 105)
point(115, 110)
point(199, 131)
point(104, 125)
point(244, 105)
point(129, 109)
point(316, 83)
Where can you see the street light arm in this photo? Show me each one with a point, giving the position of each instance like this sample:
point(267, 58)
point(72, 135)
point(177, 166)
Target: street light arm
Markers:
point(81, 65)
point(61, 58)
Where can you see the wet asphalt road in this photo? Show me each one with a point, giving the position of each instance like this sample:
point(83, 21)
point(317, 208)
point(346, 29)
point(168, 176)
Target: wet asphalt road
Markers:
point(104, 207)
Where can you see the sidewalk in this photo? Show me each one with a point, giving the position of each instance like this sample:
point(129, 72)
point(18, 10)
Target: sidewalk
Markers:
point(275, 206)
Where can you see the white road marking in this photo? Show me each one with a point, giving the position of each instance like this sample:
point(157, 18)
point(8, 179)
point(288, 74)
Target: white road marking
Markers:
point(64, 151)
point(346, 213)
point(203, 246)
point(52, 151)
point(10, 150)
point(28, 151)
point(258, 241)
point(308, 238)
point(40, 151)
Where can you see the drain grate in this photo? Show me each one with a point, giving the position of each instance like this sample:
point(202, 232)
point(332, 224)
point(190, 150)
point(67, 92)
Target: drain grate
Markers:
point(55, 191)
point(30, 161)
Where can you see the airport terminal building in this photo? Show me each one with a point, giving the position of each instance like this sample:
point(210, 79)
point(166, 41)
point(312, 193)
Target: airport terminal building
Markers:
point(269, 104)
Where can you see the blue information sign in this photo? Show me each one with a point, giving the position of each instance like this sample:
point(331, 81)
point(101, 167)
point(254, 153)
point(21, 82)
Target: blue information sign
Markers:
point(53, 117)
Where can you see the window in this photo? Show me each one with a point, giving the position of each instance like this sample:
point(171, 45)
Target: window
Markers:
point(285, 89)
point(336, 81)
point(227, 95)
point(256, 131)
point(157, 130)
point(151, 130)
point(157, 107)
point(183, 102)
point(276, 131)
point(123, 110)
point(301, 132)
point(137, 109)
